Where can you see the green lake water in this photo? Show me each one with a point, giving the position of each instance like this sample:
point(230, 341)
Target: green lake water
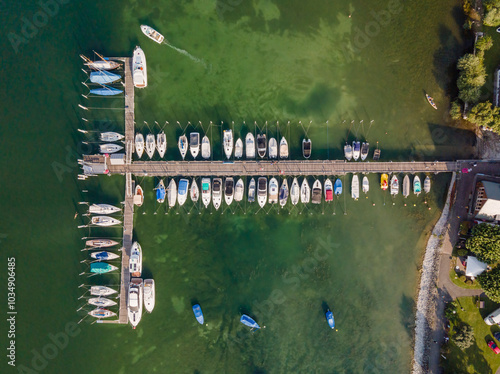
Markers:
point(332, 76)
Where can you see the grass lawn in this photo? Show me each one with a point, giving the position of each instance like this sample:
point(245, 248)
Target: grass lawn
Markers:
point(460, 283)
point(478, 358)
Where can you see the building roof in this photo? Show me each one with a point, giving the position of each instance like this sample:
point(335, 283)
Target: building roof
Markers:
point(490, 211)
point(474, 267)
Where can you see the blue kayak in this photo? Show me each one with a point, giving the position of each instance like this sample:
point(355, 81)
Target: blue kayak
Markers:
point(248, 321)
point(338, 187)
point(103, 77)
point(330, 319)
point(198, 314)
point(106, 91)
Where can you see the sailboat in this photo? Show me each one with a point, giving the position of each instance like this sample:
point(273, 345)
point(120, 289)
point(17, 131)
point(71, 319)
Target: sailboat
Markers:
point(427, 184)
point(104, 221)
point(355, 187)
point(283, 195)
point(366, 185)
point(261, 145)
point(104, 256)
point(149, 294)
point(135, 260)
point(138, 196)
point(238, 149)
point(101, 313)
point(305, 192)
point(111, 136)
point(229, 190)
point(100, 243)
point(239, 190)
point(139, 144)
point(183, 191)
point(306, 147)
point(394, 185)
point(417, 188)
point(273, 148)
point(102, 64)
point(152, 34)
point(105, 91)
point(384, 182)
point(172, 193)
point(283, 148)
point(250, 146)
point(110, 148)
point(198, 314)
point(103, 209)
point(356, 149)
point(134, 301)
point(348, 151)
point(295, 192)
point(183, 145)
point(365, 149)
point(160, 192)
point(103, 77)
point(161, 143)
point(139, 68)
point(228, 143)
point(248, 321)
point(328, 190)
point(406, 186)
point(195, 191)
point(330, 319)
point(194, 144)
point(150, 145)
point(217, 192)
point(101, 267)
point(273, 191)
point(205, 148)
point(101, 291)
point(251, 191)
point(316, 192)
point(262, 191)
point(205, 191)
point(337, 187)
point(101, 302)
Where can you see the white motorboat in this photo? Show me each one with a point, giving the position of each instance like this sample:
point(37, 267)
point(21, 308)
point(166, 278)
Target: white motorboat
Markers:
point(172, 193)
point(355, 187)
point(262, 191)
point(182, 192)
point(251, 191)
point(273, 148)
point(394, 185)
point(261, 145)
point(365, 149)
point(111, 136)
point(356, 150)
point(205, 148)
point(139, 68)
point(295, 192)
point(316, 192)
point(194, 144)
point(152, 34)
point(239, 190)
point(100, 243)
point(149, 295)
point(427, 184)
point(238, 148)
point(417, 187)
point(138, 195)
point(134, 301)
point(104, 256)
point(283, 148)
point(273, 191)
point(406, 186)
point(101, 291)
point(328, 190)
point(348, 151)
point(103, 209)
point(205, 191)
point(366, 185)
point(101, 313)
point(195, 191)
point(101, 302)
point(135, 260)
point(183, 145)
point(229, 190)
point(139, 145)
point(161, 143)
point(306, 148)
point(150, 145)
point(305, 192)
point(110, 148)
point(250, 146)
point(217, 192)
point(284, 192)
point(228, 143)
point(104, 221)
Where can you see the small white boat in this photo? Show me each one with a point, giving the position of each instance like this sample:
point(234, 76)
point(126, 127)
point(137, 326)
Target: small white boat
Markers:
point(394, 185)
point(273, 191)
point(139, 69)
point(135, 260)
point(229, 190)
point(273, 148)
point(110, 148)
point(194, 144)
point(262, 191)
point(250, 146)
point(205, 191)
point(217, 193)
point(417, 186)
point(172, 193)
point(102, 64)
point(239, 190)
point(139, 145)
point(101, 291)
point(111, 136)
point(101, 302)
point(138, 195)
point(306, 148)
point(161, 143)
point(194, 192)
point(261, 145)
point(348, 152)
point(283, 148)
point(182, 191)
point(228, 143)
point(150, 145)
point(406, 186)
point(316, 192)
point(149, 295)
point(366, 184)
point(284, 192)
point(152, 34)
point(251, 191)
point(305, 192)
point(427, 184)
point(183, 145)
point(100, 243)
point(238, 148)
point(103, 209)
point(101, 313)
point(355, 187)
point(205, 148)
point(328, 190)
point(104, 221)
point(356, 150)
point(104, 256)
point(295, 192)
point(365, 149)
point(134, 301)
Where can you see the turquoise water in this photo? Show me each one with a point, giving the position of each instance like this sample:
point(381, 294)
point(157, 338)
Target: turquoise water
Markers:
point(258, 61)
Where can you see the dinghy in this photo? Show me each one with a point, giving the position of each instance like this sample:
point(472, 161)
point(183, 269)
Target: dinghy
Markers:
point(316, 192)
point(195, 191)
point(283, 195)
point(355, 187)
point(348, 151)
point(356, 149)
point(194, 144)
point(150, 145)
point(101, 313)
point(104, 221)
point(102, 64)
point(251, 191)
point(105, 91)
point(330, 319)
point(135, 260)
point(161, 192)
point(183, 191)
point(205, 191)
point(183, 145)
point(228, 143)
point(161, 143)
point(365, 149)
point(101, 268)
point(430, 100)
point(152, 34)
point(101, 302)
point(229, 190)
point(337, 188)
point(283, 148)
point(172, 193)
point(261, 145)
point(110, 148)
point(239, 190)
point(427, 184)
point(217, 192)
point(306, 147)
point(134, 301)
point(101, 291)
point(406, 186)
point(139, 68)
point(138, 196)
point(104, 256)
point(262, 191)
point(384, 182)
point(100, 243)
point(273, 191)
point(394, 185)
point(198, 314)
point(248, 321)
point(366, 185)
point(305, 192)
point(238, 149)
point(139, 144)
point(149, 295)
point(417, 188)
point(103, 209)
point(205, 148)
point(103, 77)
point(295, 192)
point(111, 136)
point(328, 190)
point(250, 146)
point(273, 148)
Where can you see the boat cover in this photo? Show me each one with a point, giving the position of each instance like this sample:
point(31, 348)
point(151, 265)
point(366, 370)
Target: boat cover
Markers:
point(106, 91)
point(160, 194)
point(103, 77)
point(329, 195)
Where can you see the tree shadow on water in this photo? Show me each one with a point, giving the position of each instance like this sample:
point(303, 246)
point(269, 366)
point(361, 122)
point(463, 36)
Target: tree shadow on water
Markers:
point(406, 308)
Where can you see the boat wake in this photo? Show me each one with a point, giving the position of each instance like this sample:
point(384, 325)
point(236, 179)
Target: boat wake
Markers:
point(186, 53)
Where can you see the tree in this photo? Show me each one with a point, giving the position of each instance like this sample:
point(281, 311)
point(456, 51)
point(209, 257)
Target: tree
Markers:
point(471, 77)
point(464, 336)
point(485, 242)
point(456, 110)
point(470, 94)
point(484, 43)
point(482, 114)
point(490, 283)
point(492, 13)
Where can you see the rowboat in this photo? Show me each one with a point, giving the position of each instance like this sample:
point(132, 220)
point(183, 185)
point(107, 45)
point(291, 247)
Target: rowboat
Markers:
point(161, 143)
point(273, 148)
point(194, 191)
point(152, 34)
point(316, 192)
point(100, 243)
point(238, 149)
point(431, 101)
point(183, 145)
point(139, 144)
point(427, 184)
point(228, 143)
point(338, 187)
point(283, 195)
point(261, 145)
point(160, 192)
point(249, 146)
point(205, 191)
point(194, 144)
point(239, 190)
point(394, 185)
point(172, 193)
point(305, 192)
point(101, 313)
point(306, 148)
point(273, 191)
point(138, 195)
point(249, 321)
point(384, 182)
point(110, 136)
point(139, 68)
point(217, 192)
point(348, 151)
point(103, 77)
point(251, 191)
point(417, 188)
point(198, 314)
point(328, 190)
point(262, 191)
point(283, 148)
point(406, 186)
point(205, 148)
point(295, 192)
point(355, 187)
point(150, 145)
point(366, 184)
point(102, 267)
point(109, 148)
point(365, 149)
point(229, 190)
